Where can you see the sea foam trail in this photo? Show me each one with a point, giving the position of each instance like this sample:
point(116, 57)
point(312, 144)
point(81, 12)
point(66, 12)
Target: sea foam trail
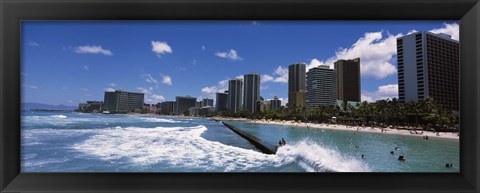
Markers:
point(158, 120)
point(59, 116)
point(63, 120)
point(317, 158)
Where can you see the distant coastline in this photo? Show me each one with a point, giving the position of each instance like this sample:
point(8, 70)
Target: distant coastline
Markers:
point(28, 106)
point(49, 110)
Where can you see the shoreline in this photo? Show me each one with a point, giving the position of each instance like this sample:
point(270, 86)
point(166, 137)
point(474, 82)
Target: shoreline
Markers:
point(444, 135)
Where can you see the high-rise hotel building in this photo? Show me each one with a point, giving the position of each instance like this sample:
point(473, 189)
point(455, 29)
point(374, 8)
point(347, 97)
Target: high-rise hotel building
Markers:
point(121, 101)
point(221, 101)
point(168, 107)
point(296, 85)
point(348, 79)
point(321, 86)
point(183, 103)
point(428, 65)
point(207, 102)
point(235, 95)
point(251, 91)
point(275, 103)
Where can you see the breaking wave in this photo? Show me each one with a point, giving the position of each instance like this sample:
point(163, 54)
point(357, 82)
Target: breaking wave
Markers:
point(183, 147)
point(316, 158)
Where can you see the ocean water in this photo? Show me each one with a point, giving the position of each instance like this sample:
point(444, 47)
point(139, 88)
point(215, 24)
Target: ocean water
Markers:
point(76, 142)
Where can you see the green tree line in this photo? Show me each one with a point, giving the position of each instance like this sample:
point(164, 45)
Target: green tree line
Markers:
point(425, 114)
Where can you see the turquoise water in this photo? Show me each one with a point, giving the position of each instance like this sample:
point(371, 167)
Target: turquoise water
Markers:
point(421, 155)
point(75, 142)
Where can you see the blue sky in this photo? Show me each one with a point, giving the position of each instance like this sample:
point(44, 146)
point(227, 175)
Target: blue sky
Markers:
point(71, 62)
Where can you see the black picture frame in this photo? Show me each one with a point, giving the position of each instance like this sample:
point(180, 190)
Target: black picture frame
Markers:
point(14, 11)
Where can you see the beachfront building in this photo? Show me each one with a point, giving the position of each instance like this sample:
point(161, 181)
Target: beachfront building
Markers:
point(200, 111)
point(296, 85)
point(91, 107)
point(275, 103)
point(348, 79)
point(321, 86)
point(221, 102)
point(121, 101)
point(149, 108)
point(251, 91)
point(263, 106)
point(168, 107)
point(428, 65)
point(183, 103)
point(235, 95)
point(207, 102)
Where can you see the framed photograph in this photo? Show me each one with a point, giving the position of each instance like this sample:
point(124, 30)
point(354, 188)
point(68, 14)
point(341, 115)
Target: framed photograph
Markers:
point(240, 96)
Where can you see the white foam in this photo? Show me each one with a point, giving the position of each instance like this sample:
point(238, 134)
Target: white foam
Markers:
point(159, 120)
point(63, 120)
point(59, 116)
point(317, 158)
point(175, 146)
point(37, 163)
point(184, 147)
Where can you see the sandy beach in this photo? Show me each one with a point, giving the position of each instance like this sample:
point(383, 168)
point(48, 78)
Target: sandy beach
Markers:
point(430, 134)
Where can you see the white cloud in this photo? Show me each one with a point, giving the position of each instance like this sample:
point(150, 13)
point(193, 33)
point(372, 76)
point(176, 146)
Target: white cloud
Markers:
point(389, 89)
point(382, 92)
point(166, 79)
point(85, 67)
point(210, 91)
point(204, 48)
point(263, 87)
point(239, 77)
point(161, 48)
point(375, 50)
point(149, 78)
point(155, 98)
point(92, 50)
point(367, 98)
point(143, 90)
point(279, 75)
point(451, 29)
point(232, 55)
point(151, 97)
point(284, 101)
point(282, 75)
point(113, 84)
point(109, 89)
point(30, 86)
point(33, 44)
point(266, 78)
point(412, 31)
point(84, 89)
